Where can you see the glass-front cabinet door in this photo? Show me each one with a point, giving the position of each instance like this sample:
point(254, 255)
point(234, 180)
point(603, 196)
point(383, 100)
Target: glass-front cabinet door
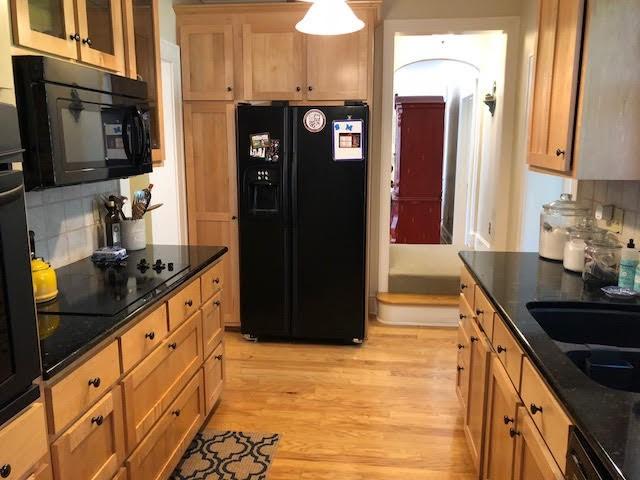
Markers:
point(47, 25)
point(101, 36)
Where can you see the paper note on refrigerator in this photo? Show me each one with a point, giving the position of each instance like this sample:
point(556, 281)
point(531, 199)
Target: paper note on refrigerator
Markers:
point(347, 140)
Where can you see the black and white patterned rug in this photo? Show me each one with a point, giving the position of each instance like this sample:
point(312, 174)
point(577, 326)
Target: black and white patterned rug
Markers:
point(227, 456)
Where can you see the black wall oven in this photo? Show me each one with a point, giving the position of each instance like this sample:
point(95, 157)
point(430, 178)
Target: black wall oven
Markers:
point(19, 345)
point(80, 124)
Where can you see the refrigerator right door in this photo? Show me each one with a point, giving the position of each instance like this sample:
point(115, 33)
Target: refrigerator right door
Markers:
point(329, 221)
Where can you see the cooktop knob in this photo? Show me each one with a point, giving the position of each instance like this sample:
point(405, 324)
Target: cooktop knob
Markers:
point(170, 266)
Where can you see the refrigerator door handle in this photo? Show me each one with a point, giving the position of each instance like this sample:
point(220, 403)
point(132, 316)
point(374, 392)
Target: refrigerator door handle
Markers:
point(293, 199)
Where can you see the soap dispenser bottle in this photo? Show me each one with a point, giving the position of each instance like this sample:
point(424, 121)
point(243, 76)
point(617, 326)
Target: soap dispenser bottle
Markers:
point(628, 266)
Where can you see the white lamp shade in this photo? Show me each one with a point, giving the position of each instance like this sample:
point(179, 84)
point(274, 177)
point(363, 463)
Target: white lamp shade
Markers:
point(329, 17)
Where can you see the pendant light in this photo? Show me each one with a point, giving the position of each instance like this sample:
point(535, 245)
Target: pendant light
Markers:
point(329, 17)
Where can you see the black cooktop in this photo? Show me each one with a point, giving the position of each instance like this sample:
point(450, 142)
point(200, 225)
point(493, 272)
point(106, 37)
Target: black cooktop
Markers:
point(95, 301)
point(86, 288)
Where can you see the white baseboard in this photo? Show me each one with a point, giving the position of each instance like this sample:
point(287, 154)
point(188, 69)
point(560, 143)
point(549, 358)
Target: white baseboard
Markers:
point(373, 306)
point(418, 315)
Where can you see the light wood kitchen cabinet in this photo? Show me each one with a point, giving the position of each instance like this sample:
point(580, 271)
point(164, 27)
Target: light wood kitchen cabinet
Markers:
point(212, 325)
point(121, 475)
point(101, 33)
point(533, 460)
point(214, 377)
point(42, 472)
point(480, 354)
point(212, 281)
point(484, 313)
point(153, 385)
point(184, 304)
point(507, 350)
point(273, 62)
point(212, 205)
point(579, 120)
point(337, 66)
point(142, 61)
point(556, 84)
point(89, 31)
point(156, 457)
point(207, 62)
point(500, 432)
point(46, 26)
point(23, 441)
point(74, 393)
point(93, 447)
point(143, 338)
point(546, 412)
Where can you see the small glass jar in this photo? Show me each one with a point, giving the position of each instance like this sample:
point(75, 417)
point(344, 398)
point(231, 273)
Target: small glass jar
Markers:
point(573, 258)
point(555, 218)
point(602, 261)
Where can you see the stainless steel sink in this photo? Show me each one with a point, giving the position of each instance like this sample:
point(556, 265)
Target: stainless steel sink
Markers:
point(602, 342)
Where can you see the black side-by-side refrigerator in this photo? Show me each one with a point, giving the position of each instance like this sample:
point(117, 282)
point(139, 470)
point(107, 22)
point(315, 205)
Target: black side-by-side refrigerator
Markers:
point(302, 188)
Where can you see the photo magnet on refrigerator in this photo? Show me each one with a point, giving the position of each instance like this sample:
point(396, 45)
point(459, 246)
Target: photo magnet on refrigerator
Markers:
point(347, 140)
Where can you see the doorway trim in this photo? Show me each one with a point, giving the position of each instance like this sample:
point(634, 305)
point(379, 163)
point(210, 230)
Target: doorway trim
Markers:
point(391, 28)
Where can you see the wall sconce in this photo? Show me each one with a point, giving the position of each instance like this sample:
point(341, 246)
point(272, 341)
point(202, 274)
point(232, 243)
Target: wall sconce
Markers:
point(490, 100)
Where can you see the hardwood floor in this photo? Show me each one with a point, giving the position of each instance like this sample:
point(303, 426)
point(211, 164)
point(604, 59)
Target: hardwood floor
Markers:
point(384, 410)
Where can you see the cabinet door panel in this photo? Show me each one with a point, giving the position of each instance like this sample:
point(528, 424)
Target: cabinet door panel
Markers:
point(556, 84)
point(212, 324)
point(337, 66)
point(101, 32)
point(533, 460)
point(479, 369)
point(158, 454)
point(211, 189)
point(273, 62)
point(48, 26)
point(93, 447)
point(207, 62)
point(154, 383)
point(500, 431)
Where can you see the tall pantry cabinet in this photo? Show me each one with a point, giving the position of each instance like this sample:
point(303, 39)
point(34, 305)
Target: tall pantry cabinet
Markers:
point(235, 53)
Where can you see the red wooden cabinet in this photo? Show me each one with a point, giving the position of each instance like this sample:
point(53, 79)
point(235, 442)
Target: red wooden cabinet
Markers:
point(416, 198)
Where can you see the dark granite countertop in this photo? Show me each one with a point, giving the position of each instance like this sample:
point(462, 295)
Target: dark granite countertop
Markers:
point(95, 302)
point(609, 419)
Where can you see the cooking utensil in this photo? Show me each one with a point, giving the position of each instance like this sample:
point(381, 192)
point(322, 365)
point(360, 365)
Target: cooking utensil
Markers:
point(153, 207)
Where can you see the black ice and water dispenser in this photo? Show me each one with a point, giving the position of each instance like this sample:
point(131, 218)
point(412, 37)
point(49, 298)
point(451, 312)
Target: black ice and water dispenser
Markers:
point(262, 190)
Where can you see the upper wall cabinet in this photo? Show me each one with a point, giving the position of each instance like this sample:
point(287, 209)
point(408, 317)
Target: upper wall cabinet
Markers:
point(556, 84)
point(86, 30)
point(207, 62)
point(585, 108)
point(337, 66)
point(142, 55)
point(273, 62)
point(48, 26)
point(253, 52)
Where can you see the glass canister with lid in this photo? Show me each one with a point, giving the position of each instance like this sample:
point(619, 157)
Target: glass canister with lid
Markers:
point(574, 248)
point(602, 261)
point(555, 218)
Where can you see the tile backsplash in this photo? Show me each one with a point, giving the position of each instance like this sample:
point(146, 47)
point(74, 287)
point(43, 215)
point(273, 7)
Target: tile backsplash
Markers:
point(622, 194)
point(66, 220)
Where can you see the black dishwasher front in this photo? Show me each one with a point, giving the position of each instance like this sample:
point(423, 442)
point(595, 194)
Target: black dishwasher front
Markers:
point(582, 463)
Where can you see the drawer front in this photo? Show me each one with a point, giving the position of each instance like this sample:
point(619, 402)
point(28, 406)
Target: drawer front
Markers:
point(184, 304)
point(93, 447)
point(212, 323)
point(508, 350)
point(77, 391)
point(159, 453)
point(546, 412)
point(154, 383)
point(214, 377)
point(467, 286)
point(484, 313)
point(140, 340)
point(466, 314)
point(212, 281)
point(23, 442)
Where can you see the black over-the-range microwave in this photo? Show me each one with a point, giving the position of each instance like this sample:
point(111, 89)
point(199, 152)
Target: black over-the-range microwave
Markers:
point(79, 124)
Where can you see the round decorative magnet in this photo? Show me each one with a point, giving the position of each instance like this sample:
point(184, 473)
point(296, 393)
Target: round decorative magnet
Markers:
point(314, 120)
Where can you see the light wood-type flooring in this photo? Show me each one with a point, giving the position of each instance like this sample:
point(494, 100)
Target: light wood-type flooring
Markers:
point(385, 410)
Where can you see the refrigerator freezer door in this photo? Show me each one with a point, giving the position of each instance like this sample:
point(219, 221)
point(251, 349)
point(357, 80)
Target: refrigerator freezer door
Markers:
point(329, 204)
point(263, 136)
